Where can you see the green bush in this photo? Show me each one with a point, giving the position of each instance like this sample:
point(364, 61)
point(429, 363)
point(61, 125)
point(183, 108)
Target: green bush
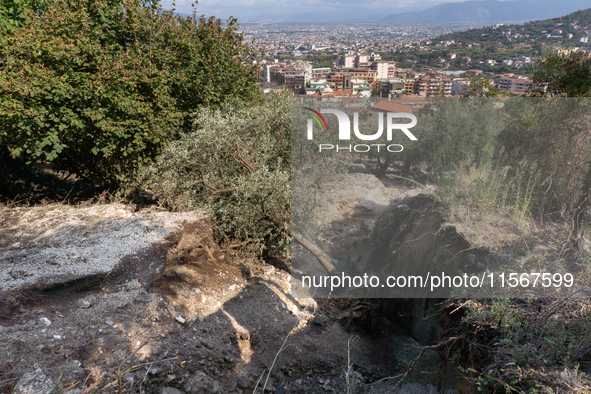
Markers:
point(236, 165)
point(97, 88)
point(565, 75)
point(12, 11)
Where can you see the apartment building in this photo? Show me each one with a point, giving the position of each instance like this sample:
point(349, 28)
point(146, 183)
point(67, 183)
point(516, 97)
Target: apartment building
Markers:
point(384, 70)
point(320, 72)
point(347, 61)
point(409, 84)
point(515, 84)
point(361, 60)
point(433, 84)
point(388, 86)
point(294, 79)
point(342, 79)
point(360, 87)
point(271, 73)
point(294, 76)
point(318, 86)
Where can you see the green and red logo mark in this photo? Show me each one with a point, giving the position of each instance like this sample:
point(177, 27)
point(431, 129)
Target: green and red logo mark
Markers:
point(317, 117)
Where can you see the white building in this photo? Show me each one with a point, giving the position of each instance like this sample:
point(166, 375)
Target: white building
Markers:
point(524, 59)
point(385, 69)
point(515, 84)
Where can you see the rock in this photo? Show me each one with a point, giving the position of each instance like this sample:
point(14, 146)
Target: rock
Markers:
point(110, 322)
point(85, 304)
point(246, 274)
point(180, 319)
point(46, 321)
point(171, 390)
point(33, 383)
point(72, 242)
point(197, 383)
point(243, 382)
point(366, 207)
point(338, 227)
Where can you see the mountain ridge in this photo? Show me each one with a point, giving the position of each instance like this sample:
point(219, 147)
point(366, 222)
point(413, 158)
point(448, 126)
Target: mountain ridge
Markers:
point(489, 11)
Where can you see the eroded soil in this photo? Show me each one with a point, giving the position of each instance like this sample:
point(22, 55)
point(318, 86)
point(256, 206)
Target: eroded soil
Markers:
point(183, 314)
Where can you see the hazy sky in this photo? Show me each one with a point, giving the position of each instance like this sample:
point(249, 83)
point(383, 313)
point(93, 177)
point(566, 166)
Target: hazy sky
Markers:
point(245, 9)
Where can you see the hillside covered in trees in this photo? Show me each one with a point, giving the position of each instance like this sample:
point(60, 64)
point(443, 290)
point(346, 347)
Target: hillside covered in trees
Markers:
point(534, 32)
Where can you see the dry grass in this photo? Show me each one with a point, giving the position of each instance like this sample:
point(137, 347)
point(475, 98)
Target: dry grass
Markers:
point(519, 345)
point(494, 212)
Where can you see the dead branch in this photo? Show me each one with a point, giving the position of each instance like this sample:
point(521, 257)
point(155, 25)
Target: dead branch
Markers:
point(316, 251)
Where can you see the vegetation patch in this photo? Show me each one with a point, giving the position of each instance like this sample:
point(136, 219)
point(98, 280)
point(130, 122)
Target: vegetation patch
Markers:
point(236, 165)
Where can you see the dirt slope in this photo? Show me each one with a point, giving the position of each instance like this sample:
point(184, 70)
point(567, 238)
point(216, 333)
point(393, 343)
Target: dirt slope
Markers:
point(91, 294)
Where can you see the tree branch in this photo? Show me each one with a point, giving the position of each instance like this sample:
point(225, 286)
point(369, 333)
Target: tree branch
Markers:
point(316, 251)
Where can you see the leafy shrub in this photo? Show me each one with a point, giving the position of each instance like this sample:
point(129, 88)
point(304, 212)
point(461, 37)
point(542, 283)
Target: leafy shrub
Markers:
point(12, 11)
point(565, 75)
point(236, 165)
point(315, 172)
point(97, 88)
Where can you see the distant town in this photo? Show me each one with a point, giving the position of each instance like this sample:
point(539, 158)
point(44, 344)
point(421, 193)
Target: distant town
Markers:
point(386, 60)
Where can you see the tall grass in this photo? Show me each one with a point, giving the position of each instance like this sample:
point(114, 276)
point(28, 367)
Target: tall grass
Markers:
point(504, 188)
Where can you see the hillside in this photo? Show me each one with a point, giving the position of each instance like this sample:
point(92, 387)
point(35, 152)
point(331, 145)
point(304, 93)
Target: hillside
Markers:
point(488, 11)
point(577, 23)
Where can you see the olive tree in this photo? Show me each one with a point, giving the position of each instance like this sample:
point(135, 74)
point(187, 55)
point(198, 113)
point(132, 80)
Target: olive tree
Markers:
point(235, 164)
